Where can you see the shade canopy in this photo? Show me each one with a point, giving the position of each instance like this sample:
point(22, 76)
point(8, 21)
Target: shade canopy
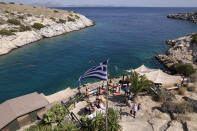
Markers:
point(158, 76)
point(142, 69)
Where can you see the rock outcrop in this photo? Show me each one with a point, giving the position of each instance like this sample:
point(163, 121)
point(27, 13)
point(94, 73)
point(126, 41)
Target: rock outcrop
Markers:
point(17, 24)
point(182, 50)
point(185, 16)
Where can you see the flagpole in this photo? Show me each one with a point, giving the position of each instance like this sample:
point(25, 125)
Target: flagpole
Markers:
point(106, 119)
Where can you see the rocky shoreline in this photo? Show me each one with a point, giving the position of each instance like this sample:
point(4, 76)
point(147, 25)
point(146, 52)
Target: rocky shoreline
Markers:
point(19, 28)
point(182, 50)
point(151, 117)
point(185, 16)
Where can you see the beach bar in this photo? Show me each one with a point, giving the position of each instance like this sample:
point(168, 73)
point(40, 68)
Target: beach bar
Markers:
point(18, 112)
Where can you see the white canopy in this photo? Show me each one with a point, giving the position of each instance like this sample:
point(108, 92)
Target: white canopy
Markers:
point(142, 69)
point(158, 76)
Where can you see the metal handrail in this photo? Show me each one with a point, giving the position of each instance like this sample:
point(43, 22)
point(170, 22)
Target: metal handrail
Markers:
point(74, 117)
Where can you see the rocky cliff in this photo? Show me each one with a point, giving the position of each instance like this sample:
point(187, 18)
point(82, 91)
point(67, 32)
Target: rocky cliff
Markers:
point(182, 50)
point(21, 25)
point(185, 16)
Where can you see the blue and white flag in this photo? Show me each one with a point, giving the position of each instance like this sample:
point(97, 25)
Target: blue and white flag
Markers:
point(99, 72)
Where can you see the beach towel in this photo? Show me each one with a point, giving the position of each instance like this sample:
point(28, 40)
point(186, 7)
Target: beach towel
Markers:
point(103, 99)
point(92, 91)
point(102, 91)
point(117, 93)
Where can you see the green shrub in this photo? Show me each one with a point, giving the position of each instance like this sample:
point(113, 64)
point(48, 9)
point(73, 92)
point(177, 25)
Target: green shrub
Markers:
point(39, 128)
point(113, 120)
point(21, 4)
point(6, 11)
point(191, 88)
point(25, 28)
point(11, 3)
point(21, 17)
point(71, 19)
point(56, 114)
point(29, 15)
point(56, 11)
point(14, 21)
point(11, 13)
point(2, 3)
point(38, 26)
point(182, 108)
point(61, 21)
point(186, 69)
point(98, 122)
point(14, 30)
point(66, 127)
point(194, 38)
point(163, 96)
point(77, 17)
point(52, 18)
point(6, 32)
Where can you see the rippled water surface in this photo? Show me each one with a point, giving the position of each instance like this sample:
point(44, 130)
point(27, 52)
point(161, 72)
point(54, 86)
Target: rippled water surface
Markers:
point(129, 37)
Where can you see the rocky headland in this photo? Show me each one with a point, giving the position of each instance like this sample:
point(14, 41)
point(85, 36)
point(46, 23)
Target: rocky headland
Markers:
point(182, 50)
point(21, 24)
point(185, 16)
point(152, 117)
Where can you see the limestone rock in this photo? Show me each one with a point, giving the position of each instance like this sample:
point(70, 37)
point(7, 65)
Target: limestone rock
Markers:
point(181, 51)
point(158, 114)
point(191, 126)
point(52, 26)
point(137, 125)
point(158, 124)
point(185, 16)
point(175, 126)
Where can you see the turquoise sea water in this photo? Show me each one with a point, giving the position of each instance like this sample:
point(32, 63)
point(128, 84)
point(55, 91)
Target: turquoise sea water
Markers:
point(129, 37)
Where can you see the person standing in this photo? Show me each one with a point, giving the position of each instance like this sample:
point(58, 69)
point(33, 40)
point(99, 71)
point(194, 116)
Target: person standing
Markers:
point(135, 110)
point(129, 103)
point(87, 93)
point(139, 107)
point(79, 90)
point(102, 86)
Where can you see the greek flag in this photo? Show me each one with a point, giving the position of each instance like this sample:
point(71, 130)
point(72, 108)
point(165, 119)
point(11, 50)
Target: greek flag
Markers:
point(99, 72)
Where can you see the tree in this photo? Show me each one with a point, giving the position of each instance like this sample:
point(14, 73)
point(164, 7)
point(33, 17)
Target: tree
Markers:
point(98, 122)
point(186, 69)
point(66, 127)
point(56, 114)
point(38, 26)
point(138, 83)
point(113, 119)
point(39, 128)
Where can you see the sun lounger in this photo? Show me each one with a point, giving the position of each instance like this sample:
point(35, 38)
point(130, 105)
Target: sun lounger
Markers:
point(92, 91)
point(172, 88)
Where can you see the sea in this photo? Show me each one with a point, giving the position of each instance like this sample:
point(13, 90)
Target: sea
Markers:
point(127, 36)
